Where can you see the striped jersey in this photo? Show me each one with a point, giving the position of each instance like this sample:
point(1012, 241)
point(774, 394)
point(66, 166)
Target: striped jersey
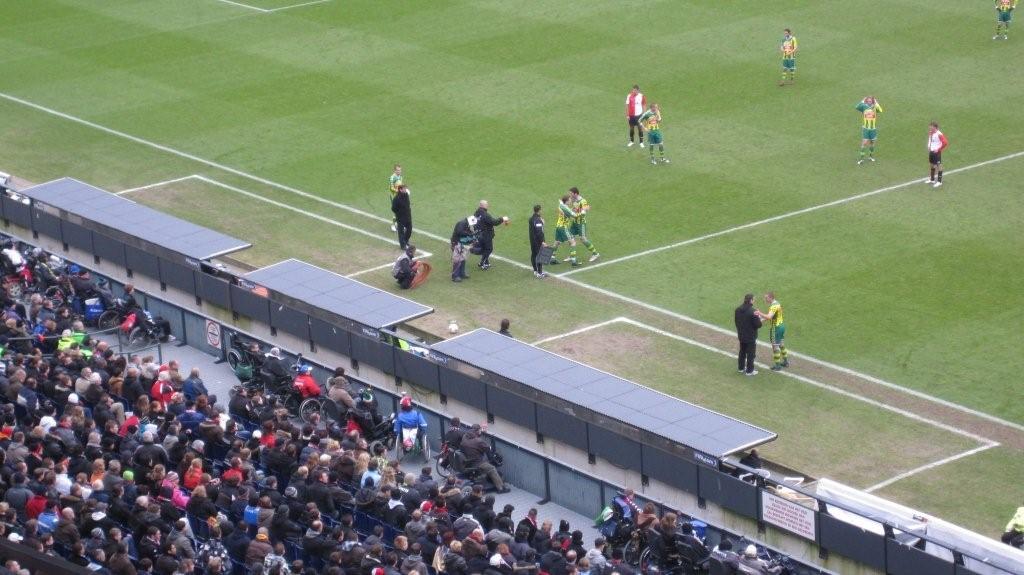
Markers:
point(1006, 5)
point(937, 141)
point(775, 310)
point(580, 207)
point(870, 113)
point(789, 46)
point(565, 216)
point(393, 182)
point(635, 104)
point(651, 120)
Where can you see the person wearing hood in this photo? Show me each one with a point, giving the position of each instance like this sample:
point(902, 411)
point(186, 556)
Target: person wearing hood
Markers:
point(596, 556)
point(258, 548)
point(281, 527)
point(414, 561)
point(462, 236)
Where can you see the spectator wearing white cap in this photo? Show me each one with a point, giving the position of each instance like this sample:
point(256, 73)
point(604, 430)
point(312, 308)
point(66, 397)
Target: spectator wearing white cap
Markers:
point(753, 563)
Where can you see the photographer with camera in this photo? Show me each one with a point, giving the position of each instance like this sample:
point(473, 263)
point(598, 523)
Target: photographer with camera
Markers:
point(478, 455)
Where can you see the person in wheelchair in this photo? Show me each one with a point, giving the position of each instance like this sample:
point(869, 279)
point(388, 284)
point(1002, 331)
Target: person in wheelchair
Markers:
point(273, 366)
point(304, 384)
point(478, 454)
point(364, 417)
point(410, 427)
point(674, 550)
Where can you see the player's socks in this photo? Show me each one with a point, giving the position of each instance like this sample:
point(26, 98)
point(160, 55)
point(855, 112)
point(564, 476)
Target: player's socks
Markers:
point(940, 175)
point(863, 152)
point(572, 255)
point(590, 246)
point(871, 151)
point(931, 177)
point(785, 355)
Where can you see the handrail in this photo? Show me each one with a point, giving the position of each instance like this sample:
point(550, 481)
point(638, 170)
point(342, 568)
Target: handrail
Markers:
point(888, 527)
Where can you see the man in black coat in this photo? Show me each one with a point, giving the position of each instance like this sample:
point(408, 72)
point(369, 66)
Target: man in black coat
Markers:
point(463, 234)
point(536, 241)
point(401, 206)
point(747, 324)
point(486, 223)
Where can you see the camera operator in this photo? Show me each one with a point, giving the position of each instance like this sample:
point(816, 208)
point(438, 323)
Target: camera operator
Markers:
point(478, 453)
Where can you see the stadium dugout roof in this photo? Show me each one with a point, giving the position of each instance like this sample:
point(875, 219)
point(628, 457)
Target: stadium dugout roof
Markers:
point(91, 203)
point(631, 403)
point(337, 294)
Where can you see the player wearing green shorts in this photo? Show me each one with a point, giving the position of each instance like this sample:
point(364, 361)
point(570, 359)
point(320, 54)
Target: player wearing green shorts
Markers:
point(789, 48)
point(580, 207)
point(1004, 14)
point(651, 121)
point(776, 331)
point(869, 109)
point(393, 184)
point(563, 232)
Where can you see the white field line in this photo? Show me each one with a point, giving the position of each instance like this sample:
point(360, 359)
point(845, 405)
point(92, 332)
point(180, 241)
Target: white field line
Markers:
point(928, 466)
point(780, 217)
point(569, 280)
point(151, 186)
point(306, 213)
point(297, 5)
point(421, 255)
point(243, 5)
point(583, 329)
point(807, 380)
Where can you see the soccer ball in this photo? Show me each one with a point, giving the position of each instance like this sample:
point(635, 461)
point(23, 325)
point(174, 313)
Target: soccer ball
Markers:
point(453, 327)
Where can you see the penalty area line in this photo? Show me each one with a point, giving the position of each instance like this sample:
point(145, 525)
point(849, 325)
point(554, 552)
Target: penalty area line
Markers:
point(569, 280)
point(780, 217)
point(151, 186)
point(828, 387)
point(929, 466)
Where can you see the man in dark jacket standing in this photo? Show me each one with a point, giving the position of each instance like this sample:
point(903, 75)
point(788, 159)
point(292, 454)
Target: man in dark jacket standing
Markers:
point(401, 206)
point(463, 234)
point(537, 241)
point(486, 223)
point(747, 324)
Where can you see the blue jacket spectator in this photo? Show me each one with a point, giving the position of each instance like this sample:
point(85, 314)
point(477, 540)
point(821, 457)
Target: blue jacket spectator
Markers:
point(194, 386)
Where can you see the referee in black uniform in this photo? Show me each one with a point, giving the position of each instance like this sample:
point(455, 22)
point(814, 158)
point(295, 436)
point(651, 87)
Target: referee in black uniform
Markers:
point(537, 241)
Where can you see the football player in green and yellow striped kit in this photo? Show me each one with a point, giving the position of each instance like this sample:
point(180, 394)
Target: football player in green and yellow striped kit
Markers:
point(776, 331)
point(870, 109)
point(788, 49)
point(566, 217)
point(580, 207)
point(651, 121)
point(1004, 14)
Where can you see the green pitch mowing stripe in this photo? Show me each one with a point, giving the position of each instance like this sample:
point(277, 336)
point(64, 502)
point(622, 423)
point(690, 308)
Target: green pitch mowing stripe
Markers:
point(814, 433)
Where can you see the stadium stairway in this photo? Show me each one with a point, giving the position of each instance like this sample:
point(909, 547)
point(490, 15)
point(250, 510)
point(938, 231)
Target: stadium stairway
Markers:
point(219, 379)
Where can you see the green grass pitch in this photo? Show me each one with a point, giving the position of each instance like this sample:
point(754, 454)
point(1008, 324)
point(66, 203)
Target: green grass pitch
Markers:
point(514, 102)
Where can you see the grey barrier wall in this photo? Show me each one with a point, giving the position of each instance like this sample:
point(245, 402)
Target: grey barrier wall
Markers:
point(566, 445)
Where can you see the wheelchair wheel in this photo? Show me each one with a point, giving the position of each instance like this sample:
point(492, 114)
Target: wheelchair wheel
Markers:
point(56, 296)
point(308, 408)
point(108, 319)
point(234, 358)
point(633, 551)
point(444, 468)
point(292, 403)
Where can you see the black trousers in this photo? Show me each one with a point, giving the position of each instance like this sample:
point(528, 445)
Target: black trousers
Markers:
point(745, 361)
point(404, 233)
point(405, 281)
point(486, 247)
point(534, 250)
